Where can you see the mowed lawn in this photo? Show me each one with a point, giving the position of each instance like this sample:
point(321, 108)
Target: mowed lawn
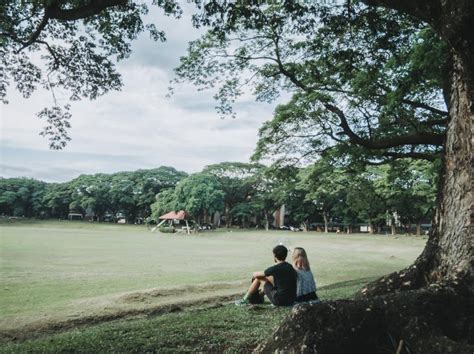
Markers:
point(60, 270)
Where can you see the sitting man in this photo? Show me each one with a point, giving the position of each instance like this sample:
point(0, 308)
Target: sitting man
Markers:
point(279, 281)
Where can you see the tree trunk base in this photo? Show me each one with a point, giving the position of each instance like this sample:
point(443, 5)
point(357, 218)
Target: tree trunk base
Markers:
point(410, 278)
point(437, 319)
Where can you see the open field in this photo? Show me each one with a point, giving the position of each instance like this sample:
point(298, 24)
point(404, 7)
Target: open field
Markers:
point(67, 271)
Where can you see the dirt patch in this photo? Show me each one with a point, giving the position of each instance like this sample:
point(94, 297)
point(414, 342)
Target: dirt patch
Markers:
point(147, 296)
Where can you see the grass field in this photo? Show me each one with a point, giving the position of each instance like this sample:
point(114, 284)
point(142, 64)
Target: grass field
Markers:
point(61, 271)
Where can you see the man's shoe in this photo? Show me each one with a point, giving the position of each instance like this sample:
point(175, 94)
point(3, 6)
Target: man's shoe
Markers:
point(242, 302)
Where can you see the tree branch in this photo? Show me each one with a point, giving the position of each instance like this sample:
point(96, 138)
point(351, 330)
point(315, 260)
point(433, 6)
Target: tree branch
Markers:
point(426, 10)
point(93, 7)
point(421, 138)
point(424, 106)
point(34, 36)
point(414, 155)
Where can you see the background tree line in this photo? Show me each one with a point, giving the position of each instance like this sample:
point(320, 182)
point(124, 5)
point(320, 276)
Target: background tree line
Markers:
point(130, 193)
point(245, 194)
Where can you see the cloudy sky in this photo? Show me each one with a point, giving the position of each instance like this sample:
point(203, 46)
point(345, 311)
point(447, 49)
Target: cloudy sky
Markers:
point(138, 127)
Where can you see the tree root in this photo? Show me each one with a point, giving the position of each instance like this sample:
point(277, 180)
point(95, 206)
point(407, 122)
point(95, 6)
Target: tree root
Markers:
point(431, 320)
point(410, 278)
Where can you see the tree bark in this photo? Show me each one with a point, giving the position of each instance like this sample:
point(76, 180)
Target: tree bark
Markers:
point(418, 228)
point(450, 249)
point(371, 227)
point(305, 225)
point(325, 216)
point(228, 220)
point(449, 253)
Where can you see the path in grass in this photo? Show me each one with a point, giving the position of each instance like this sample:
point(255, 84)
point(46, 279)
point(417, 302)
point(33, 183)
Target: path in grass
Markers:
point(59, 272)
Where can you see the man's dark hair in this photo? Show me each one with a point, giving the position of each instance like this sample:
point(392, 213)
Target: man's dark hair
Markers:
point(280, 252)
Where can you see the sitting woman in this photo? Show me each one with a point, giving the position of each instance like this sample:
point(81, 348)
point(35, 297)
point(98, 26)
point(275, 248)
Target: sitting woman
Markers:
point(305, 285)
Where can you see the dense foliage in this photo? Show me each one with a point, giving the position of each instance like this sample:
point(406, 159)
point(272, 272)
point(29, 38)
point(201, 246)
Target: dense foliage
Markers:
point(357, 76)
point(325, 193)
point(98, 196)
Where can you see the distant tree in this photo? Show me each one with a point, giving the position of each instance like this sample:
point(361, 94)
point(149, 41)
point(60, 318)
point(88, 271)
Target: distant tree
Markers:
point(409, 189)
point(199, 194)
point(324, 185)
point(164, 203)
point(289, 191)
point(21, 196)
point(91, 192)
point(239, 182)
point(131, 193)
point(57, 199)
point(271, 192)
point(148, 183)
point(366, 201)
point(127, 192)
point(245, 210)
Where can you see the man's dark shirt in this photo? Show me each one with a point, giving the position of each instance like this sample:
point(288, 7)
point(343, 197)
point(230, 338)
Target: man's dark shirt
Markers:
point(285, 282)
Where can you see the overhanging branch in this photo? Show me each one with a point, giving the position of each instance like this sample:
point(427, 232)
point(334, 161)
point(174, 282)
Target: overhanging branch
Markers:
point(420, 138)
point(426, 10)
point(54, 11)
point(93, 7)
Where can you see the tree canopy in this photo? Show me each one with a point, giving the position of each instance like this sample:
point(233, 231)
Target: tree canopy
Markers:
point(199, 194)
point(358, 75)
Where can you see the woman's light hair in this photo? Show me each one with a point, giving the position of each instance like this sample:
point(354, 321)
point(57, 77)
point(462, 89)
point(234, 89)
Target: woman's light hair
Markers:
point(300, 259)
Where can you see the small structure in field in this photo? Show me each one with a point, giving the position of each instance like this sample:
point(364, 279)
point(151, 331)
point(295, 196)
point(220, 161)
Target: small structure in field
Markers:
point(175, 218)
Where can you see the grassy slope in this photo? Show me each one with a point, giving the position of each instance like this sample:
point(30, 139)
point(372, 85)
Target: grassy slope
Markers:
point(225, 328)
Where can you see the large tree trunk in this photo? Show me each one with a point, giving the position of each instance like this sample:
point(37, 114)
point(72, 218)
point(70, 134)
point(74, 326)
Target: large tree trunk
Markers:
point(449, 252)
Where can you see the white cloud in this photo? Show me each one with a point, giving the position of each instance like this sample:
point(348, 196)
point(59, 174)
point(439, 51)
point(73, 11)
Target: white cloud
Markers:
point(137, 127)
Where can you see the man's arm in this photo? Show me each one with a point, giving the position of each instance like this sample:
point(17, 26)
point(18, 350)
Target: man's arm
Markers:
point(258, 275)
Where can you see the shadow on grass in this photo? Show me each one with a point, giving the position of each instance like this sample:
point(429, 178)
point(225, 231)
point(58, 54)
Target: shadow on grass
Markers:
point(348, 283)
point(343, 289)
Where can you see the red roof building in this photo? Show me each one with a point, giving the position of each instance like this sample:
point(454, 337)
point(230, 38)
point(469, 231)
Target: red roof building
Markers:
point(172, 215)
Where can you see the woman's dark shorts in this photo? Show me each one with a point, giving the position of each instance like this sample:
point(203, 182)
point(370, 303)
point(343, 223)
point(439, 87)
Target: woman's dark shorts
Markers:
point(307, 297)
